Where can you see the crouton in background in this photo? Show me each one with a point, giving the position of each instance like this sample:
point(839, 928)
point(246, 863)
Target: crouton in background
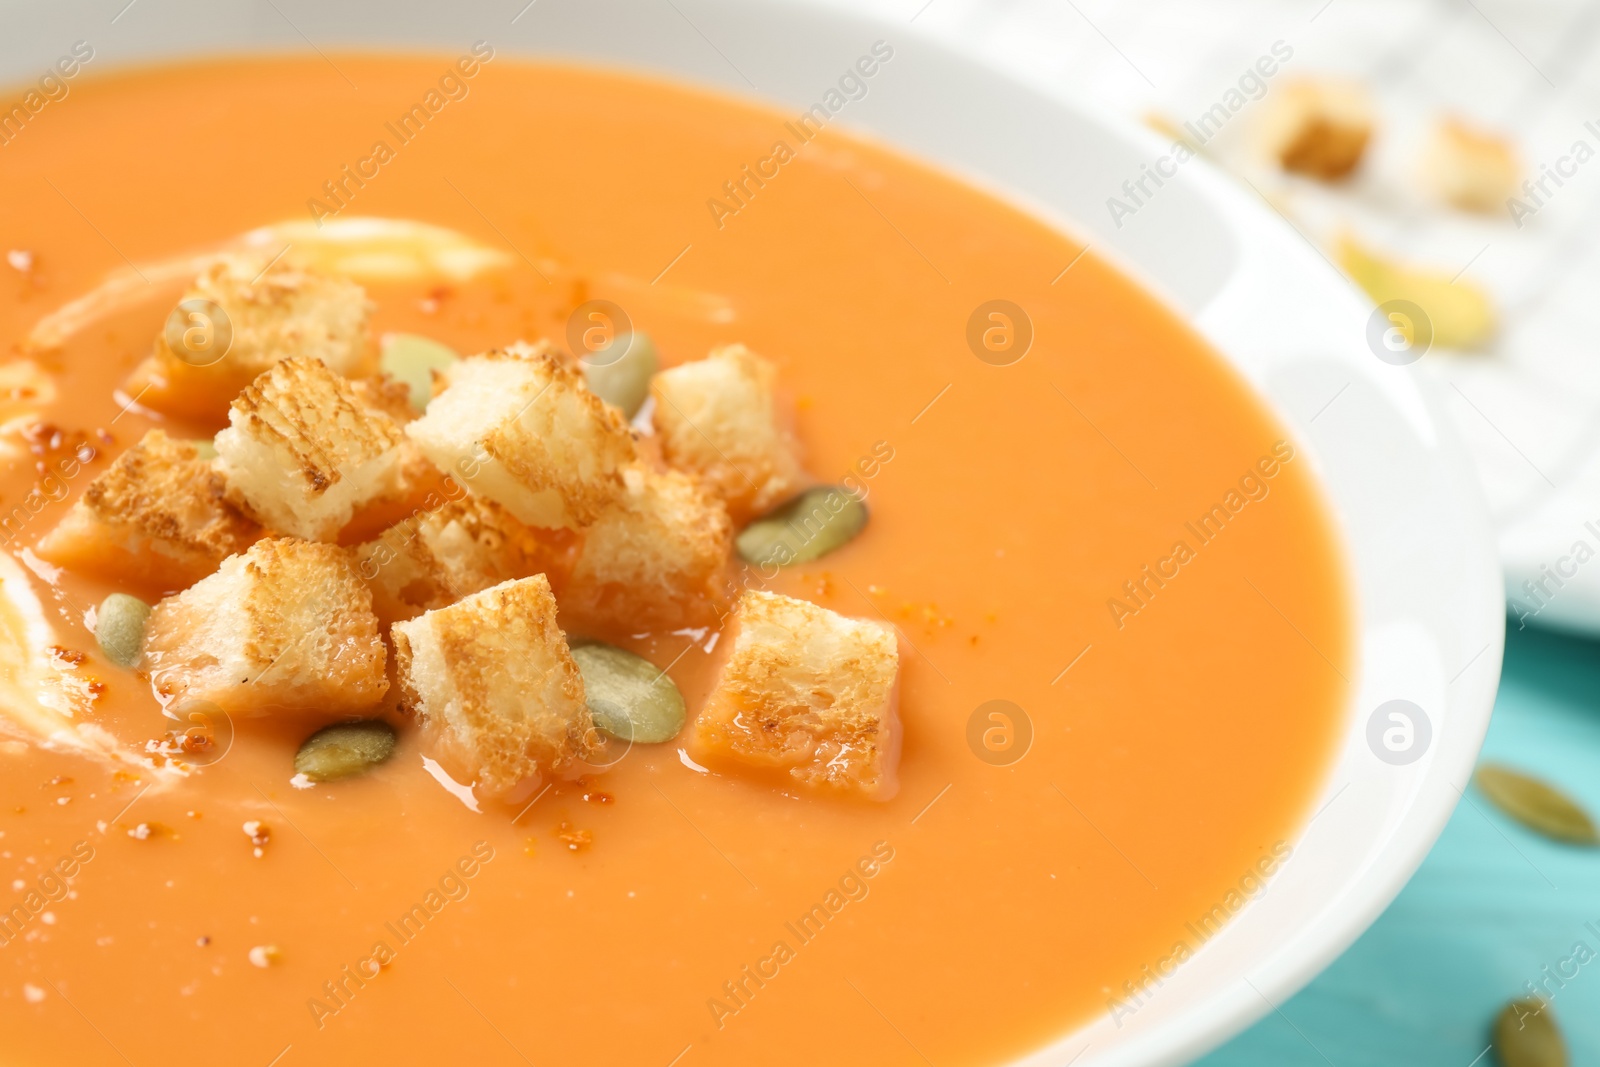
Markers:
point(1468, 168)
point(157, 516)
point(269, 312)
point(435, 558)
point(494, 687)
point(302, 450)
point(806, 695)
point(718, 419)
point(656, 558)
point(285, 625)
point(1319, 128)
point(522, 429)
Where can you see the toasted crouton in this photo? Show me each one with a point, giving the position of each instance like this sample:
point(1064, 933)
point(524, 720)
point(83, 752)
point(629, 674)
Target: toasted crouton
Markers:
point(285, 625)
point(495, 687)
point(1319, 128)
point(157, 515)
point(522, 429)
point(416, 477)
point(384, 393)
point(436, 557)
point(655, 558)
point(302, 450)
point(270, 311)
point(718, 419)
point(806, 695)
point(1470, 169)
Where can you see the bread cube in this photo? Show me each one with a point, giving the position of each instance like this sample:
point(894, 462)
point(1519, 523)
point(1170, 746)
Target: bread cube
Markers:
point(718, 419)
point(271, 310)
point(522, 429)
point(384, 393)
point(1470, 169)
point(416, 477)
point(807, 696)
point(434, 558)
point(286, 624)
point(1319, 128)
point(158, 515)
point(495, 688)
point(657, 557)
point(302, 450)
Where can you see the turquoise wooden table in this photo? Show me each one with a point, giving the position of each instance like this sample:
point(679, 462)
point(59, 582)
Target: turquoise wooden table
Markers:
point(1492, 909)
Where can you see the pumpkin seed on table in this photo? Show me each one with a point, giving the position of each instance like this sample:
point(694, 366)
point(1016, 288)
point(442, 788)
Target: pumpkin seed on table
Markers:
point(1536, 805)
point(623, 381)
point(119, 628)
point(410, 359)
point(630, 698)
point(346, 749)
point(1526, 1035)
point(816, 522)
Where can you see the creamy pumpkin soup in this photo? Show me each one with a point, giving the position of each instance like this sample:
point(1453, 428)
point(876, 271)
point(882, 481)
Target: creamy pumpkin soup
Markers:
point(511, 563)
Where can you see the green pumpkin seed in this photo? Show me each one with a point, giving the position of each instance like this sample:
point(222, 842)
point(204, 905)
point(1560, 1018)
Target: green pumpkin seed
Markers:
point(204, 446)
point(623, 381)
point(806, 528)
point(411, 359)
point(346, 749)
point(1536, 805)
point(1526, 1035)
point(119, 627)
point(630, 698)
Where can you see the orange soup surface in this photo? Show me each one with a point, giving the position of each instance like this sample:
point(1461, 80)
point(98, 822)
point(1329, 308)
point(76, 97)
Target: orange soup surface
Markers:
point(1121, 600)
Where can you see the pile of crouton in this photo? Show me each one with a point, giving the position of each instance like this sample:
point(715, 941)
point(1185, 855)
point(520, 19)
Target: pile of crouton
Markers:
point(332, 542)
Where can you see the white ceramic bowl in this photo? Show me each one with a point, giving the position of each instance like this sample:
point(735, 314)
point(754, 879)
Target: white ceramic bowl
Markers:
point(1428, 585)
